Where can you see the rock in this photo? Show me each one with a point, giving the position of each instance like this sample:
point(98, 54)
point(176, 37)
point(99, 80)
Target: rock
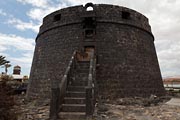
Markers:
point(102, 108)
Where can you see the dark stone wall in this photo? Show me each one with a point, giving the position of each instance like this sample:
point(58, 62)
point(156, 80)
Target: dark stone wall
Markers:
point(51, 57)
point(128, 64)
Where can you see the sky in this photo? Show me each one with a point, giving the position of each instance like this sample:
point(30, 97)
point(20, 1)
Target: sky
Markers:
point(20, 21)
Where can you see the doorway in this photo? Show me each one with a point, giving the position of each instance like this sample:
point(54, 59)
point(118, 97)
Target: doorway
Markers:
point(86, 55)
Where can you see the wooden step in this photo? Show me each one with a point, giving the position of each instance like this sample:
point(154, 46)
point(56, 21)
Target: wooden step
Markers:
point(76, 88)
point(85, 65)
point(73, 107)
point(72, 115)
point(82, 70)
point(80, 83)
point(80, 80)
point(85, 78)
point(75, 94)
point(82, 74)
point(83, 62)
point(74, 100)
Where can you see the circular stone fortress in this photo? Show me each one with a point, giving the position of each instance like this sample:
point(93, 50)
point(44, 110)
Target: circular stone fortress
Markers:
point(121, 38)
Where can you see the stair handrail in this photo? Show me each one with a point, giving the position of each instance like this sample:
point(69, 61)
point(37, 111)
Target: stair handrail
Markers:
point(66, 78)
point(90, 87)
point(90, 75)
point(59, 91)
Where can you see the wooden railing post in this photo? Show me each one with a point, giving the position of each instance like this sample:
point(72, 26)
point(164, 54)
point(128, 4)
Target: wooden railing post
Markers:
point(54, 104)
point(89, 101)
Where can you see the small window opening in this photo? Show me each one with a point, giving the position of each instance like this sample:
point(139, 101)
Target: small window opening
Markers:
point(89, 33)
point(57, 17)
point(90, 8)
point(125, 15)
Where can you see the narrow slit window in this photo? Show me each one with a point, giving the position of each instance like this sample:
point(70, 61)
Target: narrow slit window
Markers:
point(57, 17)
point(125, 15)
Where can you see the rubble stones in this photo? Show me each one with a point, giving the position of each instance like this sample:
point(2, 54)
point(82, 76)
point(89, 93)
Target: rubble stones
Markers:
point(107, 111)
point(31, 110)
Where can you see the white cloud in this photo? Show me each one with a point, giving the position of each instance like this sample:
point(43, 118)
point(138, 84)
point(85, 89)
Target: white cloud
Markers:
point(36, 3)
point(165, 23)
point(24, 61)
point(2, 12)
point(39, 10)
point(16, 42)
point(25, 47)
point(38, 13)
point(20, 25)
point(2, 48)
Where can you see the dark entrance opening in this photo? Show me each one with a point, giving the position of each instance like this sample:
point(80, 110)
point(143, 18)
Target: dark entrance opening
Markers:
point(125, 15)
point(88, 50)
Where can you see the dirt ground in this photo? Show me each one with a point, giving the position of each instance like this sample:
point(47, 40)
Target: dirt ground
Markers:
point(163, 111)
point(122, 109)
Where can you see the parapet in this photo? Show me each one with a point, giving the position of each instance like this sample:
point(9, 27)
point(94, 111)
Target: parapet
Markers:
point(103, 12)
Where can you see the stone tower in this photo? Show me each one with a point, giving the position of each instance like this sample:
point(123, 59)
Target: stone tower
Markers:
point(127, 63)
point(17, 70)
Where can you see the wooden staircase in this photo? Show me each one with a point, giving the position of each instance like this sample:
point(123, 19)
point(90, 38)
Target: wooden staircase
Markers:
point(73, 98)
point(74, 105)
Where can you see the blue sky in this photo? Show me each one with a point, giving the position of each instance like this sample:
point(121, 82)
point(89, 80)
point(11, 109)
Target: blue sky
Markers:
point(20, 21)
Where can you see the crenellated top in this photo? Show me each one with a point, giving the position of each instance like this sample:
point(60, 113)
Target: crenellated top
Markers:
point(102, 12)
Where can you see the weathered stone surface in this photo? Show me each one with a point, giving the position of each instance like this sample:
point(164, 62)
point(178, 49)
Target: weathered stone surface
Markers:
point(125, 51)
